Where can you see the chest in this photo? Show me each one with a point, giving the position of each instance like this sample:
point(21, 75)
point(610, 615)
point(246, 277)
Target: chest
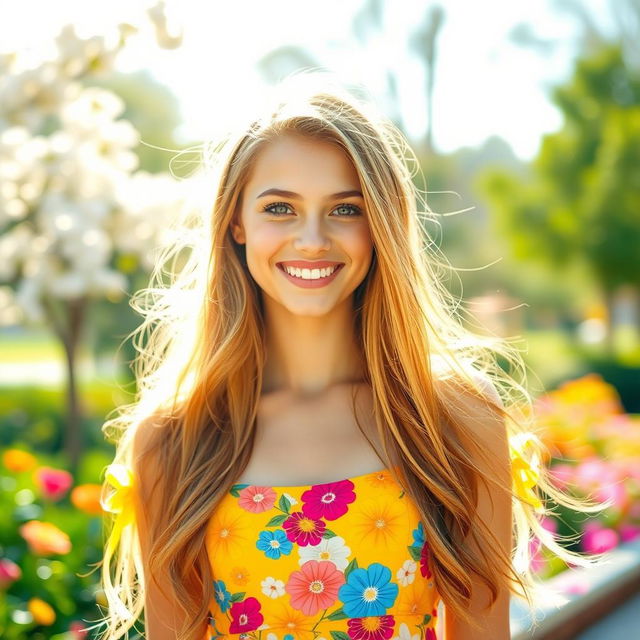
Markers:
point(315, 440)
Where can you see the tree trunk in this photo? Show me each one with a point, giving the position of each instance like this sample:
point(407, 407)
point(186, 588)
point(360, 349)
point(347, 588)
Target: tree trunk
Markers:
point(69, 331)
point(609, 343)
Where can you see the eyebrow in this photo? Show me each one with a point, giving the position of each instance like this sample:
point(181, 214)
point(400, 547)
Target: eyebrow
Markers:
point(296, 196)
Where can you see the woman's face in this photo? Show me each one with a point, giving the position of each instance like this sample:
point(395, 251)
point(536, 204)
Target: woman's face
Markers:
point(317, 222)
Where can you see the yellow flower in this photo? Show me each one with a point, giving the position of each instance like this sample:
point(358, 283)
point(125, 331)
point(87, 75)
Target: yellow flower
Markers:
point(525, 468)
point(17, 460)
point(42, 612)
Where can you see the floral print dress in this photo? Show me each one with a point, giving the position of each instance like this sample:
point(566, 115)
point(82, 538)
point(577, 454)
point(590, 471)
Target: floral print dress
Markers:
point(334, 561)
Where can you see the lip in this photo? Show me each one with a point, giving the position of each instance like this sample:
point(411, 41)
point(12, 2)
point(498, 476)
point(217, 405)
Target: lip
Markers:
point(311, 284)
point(306, 264)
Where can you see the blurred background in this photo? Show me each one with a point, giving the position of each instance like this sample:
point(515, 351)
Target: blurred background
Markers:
point(525, 118)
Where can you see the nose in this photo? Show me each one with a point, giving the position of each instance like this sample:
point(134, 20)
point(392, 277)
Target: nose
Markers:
point(311, 237)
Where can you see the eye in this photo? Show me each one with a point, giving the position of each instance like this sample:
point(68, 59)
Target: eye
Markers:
point(355, 210)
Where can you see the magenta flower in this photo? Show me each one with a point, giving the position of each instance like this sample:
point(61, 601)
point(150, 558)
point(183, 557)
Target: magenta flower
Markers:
point(329, 501)
point(371, 627)
point(53, 483)
point(245, 616)
point(303, 530)
point(425, 569)
point(9, 572)
point(598, 539)
point(629, 532)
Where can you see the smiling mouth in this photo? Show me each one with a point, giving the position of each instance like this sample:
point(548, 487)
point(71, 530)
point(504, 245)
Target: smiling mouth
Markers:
point(335, 269)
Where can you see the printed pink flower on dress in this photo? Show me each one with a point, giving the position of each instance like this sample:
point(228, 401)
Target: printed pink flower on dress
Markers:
point(303, 530)
point(328, 501)
point(245, 616)
point(257, 499)
point(371, 627)
point(314, 587)
point(425, 569)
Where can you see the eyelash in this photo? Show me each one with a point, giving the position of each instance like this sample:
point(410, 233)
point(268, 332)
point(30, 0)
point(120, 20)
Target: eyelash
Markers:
point(356, 209)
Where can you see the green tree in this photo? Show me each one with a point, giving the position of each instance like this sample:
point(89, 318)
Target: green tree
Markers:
point(581, 200)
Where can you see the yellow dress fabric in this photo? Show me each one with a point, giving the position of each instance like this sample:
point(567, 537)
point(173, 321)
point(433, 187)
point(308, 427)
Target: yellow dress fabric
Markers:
point(334, 561)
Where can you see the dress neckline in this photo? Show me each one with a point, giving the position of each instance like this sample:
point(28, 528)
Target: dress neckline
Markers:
point(313, 484)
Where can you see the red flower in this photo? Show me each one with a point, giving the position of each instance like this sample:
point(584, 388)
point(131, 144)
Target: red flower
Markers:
point(371, 627)
point(425, 570)
point(430, 634)
point(329, 500)
point(303, 530)
point(245, 616)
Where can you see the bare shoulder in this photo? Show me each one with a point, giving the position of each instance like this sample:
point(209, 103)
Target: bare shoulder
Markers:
point(147, 463)
point(478, 412)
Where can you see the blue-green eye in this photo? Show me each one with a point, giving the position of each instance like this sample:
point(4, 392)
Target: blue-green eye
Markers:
point(355, 210)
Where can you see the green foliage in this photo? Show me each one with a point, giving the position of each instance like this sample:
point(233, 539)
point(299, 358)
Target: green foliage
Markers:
point(581, 201)
point(67, 582)
point(33, 416)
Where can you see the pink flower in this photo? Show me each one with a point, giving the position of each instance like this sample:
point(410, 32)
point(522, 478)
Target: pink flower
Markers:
point(562, 475)
point(598, 539)
point(9, 572)
point(615, 492)
point(425, 570)
point(245, 616)
point(329, 500)
point(371, 627)
point(257, 499)
point(314, 587)
point(53, 483)
point(78, 630)
point(629, 532)
point(303, 530)
point(430, 634)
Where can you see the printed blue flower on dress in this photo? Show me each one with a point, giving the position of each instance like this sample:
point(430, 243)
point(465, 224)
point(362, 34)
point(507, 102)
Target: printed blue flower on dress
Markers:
point(274, 543)
point(418, 535)
point(368, 592)
point(222, 595)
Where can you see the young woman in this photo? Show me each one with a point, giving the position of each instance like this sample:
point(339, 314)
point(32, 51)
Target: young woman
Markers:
point(320, 448)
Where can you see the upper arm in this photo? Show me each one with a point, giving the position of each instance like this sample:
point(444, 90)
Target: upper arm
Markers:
point(494, 509)
point(161, 611)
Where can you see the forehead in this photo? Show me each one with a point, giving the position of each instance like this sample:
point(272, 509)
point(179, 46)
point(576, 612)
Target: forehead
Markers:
point(296, 162)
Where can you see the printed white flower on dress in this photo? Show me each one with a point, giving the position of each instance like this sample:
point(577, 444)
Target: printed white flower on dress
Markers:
point(405, 634)
point(407, 573)
point(272, 587)
point(331, 549)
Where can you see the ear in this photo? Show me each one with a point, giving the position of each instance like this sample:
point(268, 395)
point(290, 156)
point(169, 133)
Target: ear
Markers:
point(237, 232)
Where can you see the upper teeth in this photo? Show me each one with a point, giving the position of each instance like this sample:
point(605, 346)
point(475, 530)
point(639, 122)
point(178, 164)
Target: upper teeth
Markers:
point(310, 274)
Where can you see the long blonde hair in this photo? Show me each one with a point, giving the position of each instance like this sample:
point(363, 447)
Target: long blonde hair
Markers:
point(199, 372)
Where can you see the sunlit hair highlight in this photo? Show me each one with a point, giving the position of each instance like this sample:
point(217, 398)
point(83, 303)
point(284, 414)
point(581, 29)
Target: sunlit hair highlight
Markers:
point(201, 356)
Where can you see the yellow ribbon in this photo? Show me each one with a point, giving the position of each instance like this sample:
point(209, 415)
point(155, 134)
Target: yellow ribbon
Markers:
point(119, 501)
point(525, 469)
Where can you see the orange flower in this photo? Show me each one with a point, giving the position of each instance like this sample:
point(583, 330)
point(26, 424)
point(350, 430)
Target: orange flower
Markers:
point(42, 612)
point(44, 538)
point(17, 460)
point(86, 497)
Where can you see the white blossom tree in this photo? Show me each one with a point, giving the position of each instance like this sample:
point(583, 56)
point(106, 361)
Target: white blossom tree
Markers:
point(71, 196)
